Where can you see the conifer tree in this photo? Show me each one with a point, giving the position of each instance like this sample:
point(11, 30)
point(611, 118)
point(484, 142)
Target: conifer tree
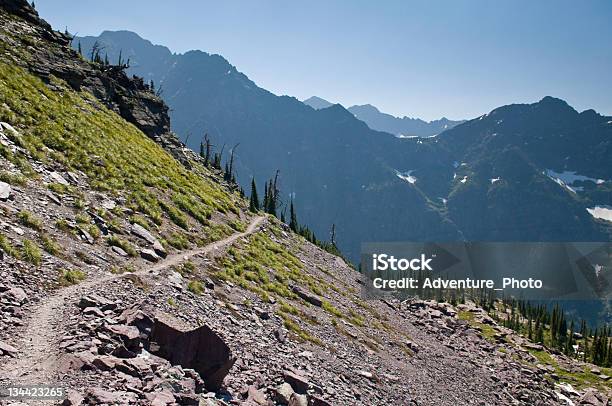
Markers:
point(254, 200)
point(293, 223)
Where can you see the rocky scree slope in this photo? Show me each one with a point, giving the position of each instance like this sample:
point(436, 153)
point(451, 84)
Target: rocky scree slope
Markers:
point(113, 251)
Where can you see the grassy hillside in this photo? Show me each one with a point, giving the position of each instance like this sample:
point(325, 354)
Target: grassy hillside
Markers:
point(74, 131)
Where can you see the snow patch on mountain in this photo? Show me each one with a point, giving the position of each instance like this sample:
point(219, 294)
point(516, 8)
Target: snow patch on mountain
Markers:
point(569, 177)
point(601, 212)
point(407, 176)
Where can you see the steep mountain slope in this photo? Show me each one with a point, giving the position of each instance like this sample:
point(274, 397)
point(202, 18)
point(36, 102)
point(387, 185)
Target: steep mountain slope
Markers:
point(401, 126)
point(510, 164)
point(338, 169)
point(374, 186)
point(131, 276)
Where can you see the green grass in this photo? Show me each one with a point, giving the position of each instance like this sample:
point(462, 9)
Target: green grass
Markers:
point(49, 244)
point(178, 241)
point(488, 332)
point(263, 265)
point(13, 179)
point(31, 253)
point(581, 380)
point(123, 244)
point(28, 219)
point(71, 277)
point(195, 287)
point(7, 247)
point(293, 327)
point(61, 189)
point(140, 220)
point(117, 158)
point(62, 224)
point(328, 307)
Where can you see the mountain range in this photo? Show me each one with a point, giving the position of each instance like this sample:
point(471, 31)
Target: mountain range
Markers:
point(134, 272)
point(500, 177)
point(403, 127)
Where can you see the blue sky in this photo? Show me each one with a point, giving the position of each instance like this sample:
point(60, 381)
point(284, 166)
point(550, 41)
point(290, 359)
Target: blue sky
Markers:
point(425, 59)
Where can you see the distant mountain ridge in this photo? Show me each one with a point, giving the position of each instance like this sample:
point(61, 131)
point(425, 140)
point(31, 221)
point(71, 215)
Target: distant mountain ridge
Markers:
point(403, 127)
point(317, 103)
point(498, 177)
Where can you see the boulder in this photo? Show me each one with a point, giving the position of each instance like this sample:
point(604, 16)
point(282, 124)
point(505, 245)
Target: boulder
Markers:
point(140, 231)
point(282, 393)
point(159, 249)
point(6, 349)
point(93, 311)
point(310, 298)
point(5, 191)
point(101, 396)
point(317, 401)
point(98, 301)
point(58, 178)
point(161, 398)
point(119, 251)
point(18, 295)
point(53, 197)
point(137, 318)
point(73, 398)
point(108, 204)
point(298, 382)
point(256, 396)
point(149, 255)
point(592, 398)
point(298, 400)
point(136, 367)
point(200, 349)
point(106, 362)
point(86, 236)
point(126, 332)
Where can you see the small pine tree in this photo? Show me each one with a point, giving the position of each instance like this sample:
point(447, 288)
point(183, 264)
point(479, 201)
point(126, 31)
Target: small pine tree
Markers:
point(254, 200)
point(293, 223)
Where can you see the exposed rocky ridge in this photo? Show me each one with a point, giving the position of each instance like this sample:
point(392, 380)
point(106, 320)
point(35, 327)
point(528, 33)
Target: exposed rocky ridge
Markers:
point(83, 312)
point(129, 97)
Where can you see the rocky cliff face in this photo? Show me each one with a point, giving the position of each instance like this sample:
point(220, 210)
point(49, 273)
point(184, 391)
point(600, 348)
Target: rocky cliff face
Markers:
point(129, 97)
point(129, 279)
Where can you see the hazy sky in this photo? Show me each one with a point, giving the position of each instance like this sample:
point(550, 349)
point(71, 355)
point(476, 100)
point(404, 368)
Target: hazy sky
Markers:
point(418, 58)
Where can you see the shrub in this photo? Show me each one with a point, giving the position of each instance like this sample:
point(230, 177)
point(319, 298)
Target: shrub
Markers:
point(31, 253)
